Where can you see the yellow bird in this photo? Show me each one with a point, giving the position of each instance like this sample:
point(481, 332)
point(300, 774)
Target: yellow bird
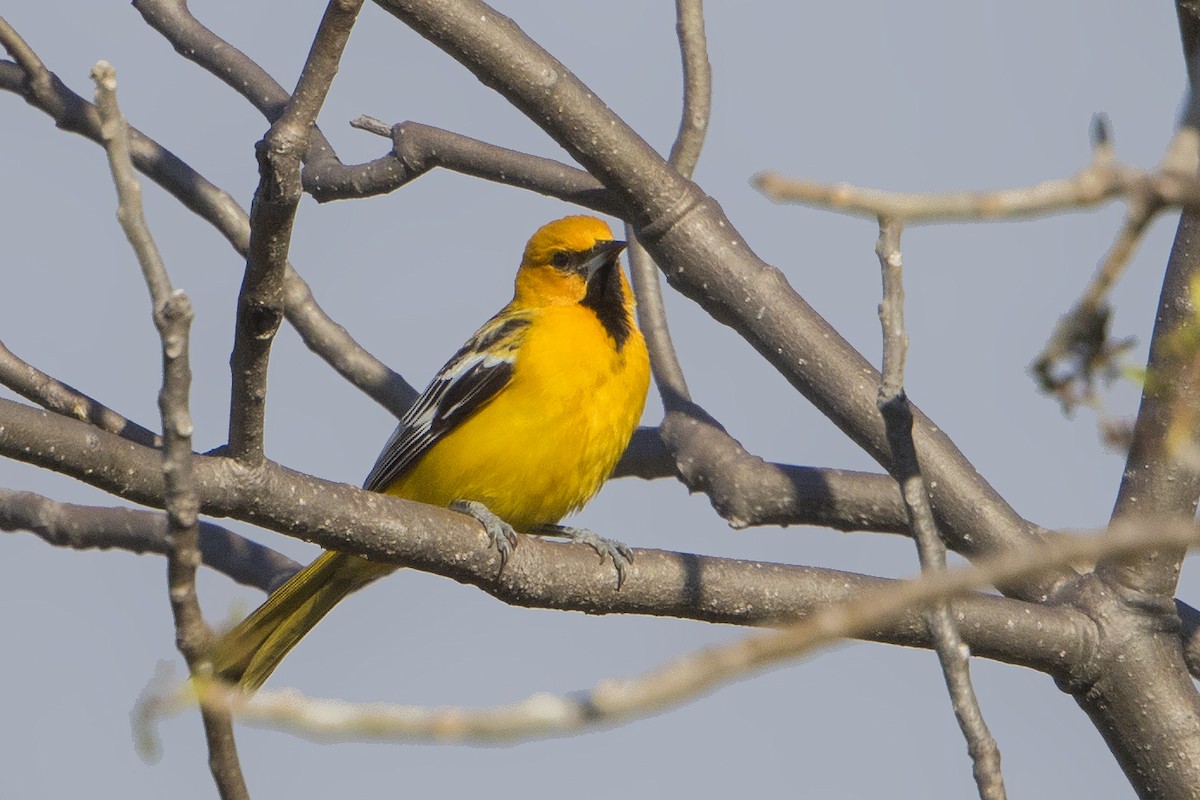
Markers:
point(520, 428)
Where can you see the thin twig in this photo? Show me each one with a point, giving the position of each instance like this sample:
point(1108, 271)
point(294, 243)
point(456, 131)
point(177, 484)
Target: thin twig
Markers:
point(685, 152)
point(743, 489)
point(172, 317)
point(36, 74)
point(1138, 217)
point(261, 299)
point(1101, 180)
point(652, 320)
point(364, 122)
point(697, 86)
point(1079, 348)
point(678, 681)
point(136, 531)
point(746, 490)
point(417, 149)
point(702, 453)
point(54, 395)
point(897, 418)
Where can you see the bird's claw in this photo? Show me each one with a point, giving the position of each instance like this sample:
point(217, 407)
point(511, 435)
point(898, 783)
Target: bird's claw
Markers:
point(500, 534)
point(619, 552)
point(503, 537)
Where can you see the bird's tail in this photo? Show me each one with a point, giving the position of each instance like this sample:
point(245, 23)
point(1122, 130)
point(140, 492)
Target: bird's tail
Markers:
point(250, 652)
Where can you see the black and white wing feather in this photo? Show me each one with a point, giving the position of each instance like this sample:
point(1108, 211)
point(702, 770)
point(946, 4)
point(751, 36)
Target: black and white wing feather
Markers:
point(465, 384)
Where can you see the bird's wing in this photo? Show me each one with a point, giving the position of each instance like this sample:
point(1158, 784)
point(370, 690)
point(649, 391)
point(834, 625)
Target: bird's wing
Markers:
point(465, 384)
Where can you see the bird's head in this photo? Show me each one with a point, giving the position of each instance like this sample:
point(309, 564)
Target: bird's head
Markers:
point(564, 258)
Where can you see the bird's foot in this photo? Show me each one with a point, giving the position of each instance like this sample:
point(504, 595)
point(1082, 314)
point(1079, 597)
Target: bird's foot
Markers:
point(619, 552)
point(500, 533)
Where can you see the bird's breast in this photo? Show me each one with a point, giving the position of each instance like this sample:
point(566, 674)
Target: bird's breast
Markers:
point(544, 445)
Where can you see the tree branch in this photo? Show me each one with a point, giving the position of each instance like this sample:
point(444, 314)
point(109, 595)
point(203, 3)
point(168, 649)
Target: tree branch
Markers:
point(54, 395)
point(541, 573)
point(173, 318)
point(743, 489)
point(261, 300)
point(1136, 689)
point(897, 417)
point(38, 86)
point(1157, 479)
point(97, 528)
point(1079, 346)
point(417, 149)
point(685, 152)
point(678, 681)
point(1103, 179)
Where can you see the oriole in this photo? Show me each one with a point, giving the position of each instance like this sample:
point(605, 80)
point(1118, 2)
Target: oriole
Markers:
point(519, 429)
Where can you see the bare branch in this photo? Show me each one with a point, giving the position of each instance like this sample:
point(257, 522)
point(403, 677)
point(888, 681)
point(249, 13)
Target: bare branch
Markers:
point(417, 149)
point(1158, 479)
point(1150, 718)
point(49, 393)
point(541, 573)
point(135, 531)
point(172, 317)
point(1179, 161)
point(115, 135)
point(897, 417)
point(1080, 347)
point(39, 85)
point(685, 152)
point(747, 491)
point(697, 86)
point(678, 681)
point(261, 300)
point(652, 319)
point(1101, 180)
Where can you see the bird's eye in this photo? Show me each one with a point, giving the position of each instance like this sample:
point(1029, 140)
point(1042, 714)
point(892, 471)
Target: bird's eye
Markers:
point(561, 259)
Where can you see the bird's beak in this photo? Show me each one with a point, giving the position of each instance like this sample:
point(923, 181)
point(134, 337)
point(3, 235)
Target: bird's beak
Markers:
point(602, 253)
